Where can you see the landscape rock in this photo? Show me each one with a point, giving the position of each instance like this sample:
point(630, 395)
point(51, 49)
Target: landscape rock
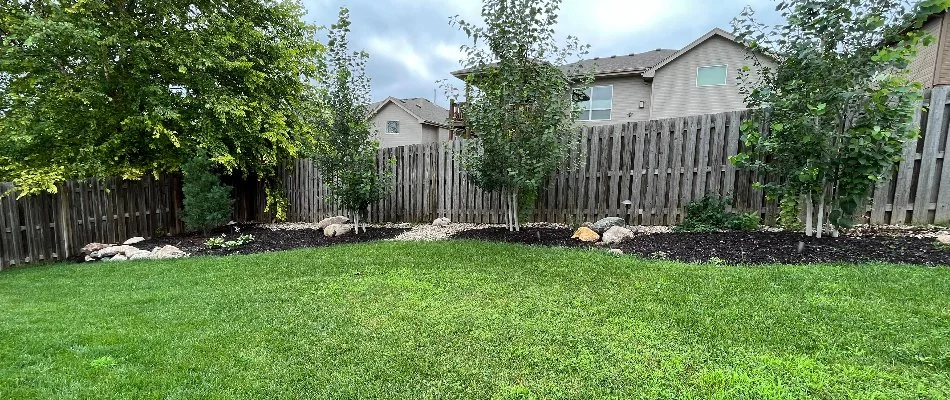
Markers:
point(91, 259)
point(167, 252)
point(586, 234)
point(93, 247)
point(114, 250)
point(142, 255)
point(135, 240)
point(615, 252)
point(117, 257)
point(337, 230)
point(616, 234)
point(338, 220)
point(442, 222)
point(943, 239)
point(606, 223)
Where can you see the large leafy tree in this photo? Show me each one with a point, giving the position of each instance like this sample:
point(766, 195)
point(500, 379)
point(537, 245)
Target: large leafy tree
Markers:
point(837, 108)
point(518, 98)
point(346, 152)
point(130, 87)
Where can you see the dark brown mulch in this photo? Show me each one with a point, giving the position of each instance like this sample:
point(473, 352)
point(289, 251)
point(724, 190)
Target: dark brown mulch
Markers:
point(265, 240)
point(743, 247)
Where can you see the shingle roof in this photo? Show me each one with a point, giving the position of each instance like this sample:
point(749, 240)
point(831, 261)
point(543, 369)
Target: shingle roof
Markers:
point(632, 63)
point(424, 110)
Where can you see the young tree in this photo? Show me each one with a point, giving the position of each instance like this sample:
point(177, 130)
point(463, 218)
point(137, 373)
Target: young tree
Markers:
point(833, 116)
point(207, 203)
point(519, 102)
point(346, 154)
point(101, 88)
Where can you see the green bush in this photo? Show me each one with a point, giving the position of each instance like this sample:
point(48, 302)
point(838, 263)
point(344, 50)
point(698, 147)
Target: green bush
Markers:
point(207, 202)
point(709, 214)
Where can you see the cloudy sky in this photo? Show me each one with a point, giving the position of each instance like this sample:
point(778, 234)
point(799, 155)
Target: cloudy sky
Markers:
point(411, 44)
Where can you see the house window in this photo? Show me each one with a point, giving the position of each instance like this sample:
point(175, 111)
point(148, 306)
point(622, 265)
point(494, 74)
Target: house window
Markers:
point(713, 75)
point(598, 107)
point(392, 127)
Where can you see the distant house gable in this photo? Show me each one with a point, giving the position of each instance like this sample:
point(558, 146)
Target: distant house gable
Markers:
point(716, 32)
point(424, 111)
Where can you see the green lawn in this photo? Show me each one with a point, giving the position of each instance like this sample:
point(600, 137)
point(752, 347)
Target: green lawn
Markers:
point(471, 320)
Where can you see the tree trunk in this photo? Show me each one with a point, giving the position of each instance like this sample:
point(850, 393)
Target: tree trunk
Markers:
point(809, 210)
point(821, 214)
point(514, 201)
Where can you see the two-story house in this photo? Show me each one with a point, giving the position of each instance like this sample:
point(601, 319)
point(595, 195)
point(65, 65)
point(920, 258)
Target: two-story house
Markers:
point(403, 122)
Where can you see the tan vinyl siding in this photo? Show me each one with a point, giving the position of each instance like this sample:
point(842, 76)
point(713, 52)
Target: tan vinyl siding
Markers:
point(628, 93)
point(675, 92)
point(924, 68)
point(410, 130)
point(942, 75)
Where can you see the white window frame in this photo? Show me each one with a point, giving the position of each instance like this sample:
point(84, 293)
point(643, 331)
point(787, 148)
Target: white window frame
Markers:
point(724, 81)
point(398, 127)
point(590, 102)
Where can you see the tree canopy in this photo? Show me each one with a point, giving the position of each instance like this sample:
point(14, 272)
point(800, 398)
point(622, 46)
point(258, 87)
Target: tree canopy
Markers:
point(129, 87)
point(518, 97)
point(837, 108)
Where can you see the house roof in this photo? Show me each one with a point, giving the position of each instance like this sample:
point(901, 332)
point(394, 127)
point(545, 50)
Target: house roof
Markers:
point(425, 111)
point(716, 32)
point(623, 65)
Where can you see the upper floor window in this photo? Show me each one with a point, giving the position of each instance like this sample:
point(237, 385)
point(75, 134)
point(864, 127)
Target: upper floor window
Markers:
point(599, 106)
point(392, 126)
point(713, 75)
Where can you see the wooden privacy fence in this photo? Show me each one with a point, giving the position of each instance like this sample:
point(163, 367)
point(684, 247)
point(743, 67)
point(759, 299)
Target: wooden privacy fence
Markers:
point(659, 166)
point(51, 227)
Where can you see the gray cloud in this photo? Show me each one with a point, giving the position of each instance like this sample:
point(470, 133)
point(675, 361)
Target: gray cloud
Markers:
point(411, 44)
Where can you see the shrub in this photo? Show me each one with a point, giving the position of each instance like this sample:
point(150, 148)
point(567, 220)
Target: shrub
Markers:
point(221, 243)
point(207, 201)
point(709, 214)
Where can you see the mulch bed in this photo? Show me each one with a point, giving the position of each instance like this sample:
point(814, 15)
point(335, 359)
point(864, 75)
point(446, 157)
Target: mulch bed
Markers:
point(265, 240)
point(743, 247)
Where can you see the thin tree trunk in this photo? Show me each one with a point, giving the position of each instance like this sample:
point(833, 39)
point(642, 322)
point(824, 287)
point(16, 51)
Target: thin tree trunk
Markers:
point(356, 222)
point(821, 214)
point(809, 210)
point(514, 201)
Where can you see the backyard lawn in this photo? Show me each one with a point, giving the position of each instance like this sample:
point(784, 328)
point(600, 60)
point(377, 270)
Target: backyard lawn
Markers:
point(465, 319)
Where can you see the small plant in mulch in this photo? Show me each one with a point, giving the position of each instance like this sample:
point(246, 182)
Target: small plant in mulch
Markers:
point(221, 243)
point(709, 215)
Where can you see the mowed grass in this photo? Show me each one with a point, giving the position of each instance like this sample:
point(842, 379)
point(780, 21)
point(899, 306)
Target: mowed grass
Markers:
point(471, 320)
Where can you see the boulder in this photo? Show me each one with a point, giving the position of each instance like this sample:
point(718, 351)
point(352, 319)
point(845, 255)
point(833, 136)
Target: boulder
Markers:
point(114, 250)
point(615, 252)
point(167, 252)
point(91, 259)
point(585, 234)
point(117, 257)
point(135, 240)
point(442, 222)
point(604, 224)
point(337, 230)
point(93, 247)
point(616, 234)
point(142, 255)
point(332, 221)
point(943, 239)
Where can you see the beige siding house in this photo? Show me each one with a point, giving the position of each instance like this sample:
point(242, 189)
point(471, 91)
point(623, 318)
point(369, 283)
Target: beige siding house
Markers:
point(932, 65)
point(401, 122)
point(700, 78)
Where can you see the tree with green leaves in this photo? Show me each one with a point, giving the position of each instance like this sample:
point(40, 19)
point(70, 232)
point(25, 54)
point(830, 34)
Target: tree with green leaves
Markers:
point(346, 152)
point(831, 118)
point(518, 98)
point(207, 203)
point(100, 88)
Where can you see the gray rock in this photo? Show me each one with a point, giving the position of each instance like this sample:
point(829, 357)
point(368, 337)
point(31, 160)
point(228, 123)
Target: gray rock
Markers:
point(167, 252)
point(337, 230)
point(442, 222)
point(606, 223)
point(135, 240)
point(943, 239)
point(91, 259)
point(114, 250)
point(93, 247)
point(615, 252)
point(332, 221)
point(616, 234)
point(117, 257)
